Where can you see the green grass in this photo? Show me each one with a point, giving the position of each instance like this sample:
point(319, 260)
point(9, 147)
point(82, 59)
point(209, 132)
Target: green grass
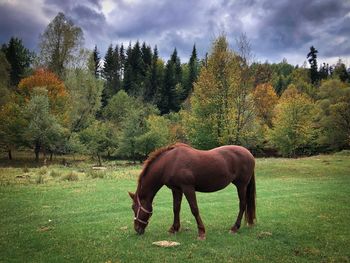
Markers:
point(303, 209)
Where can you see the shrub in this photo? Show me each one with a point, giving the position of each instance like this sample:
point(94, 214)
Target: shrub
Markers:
point(42, 170)
point(54, 174)
point(71, 176)
point(39, 179)
point(96, 174)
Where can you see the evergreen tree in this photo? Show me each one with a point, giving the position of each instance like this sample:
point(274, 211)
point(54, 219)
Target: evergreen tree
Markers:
point(116, 71)
point(340, 72)
point(312, 58)
point(127, 81)
point(19, 59)
point(193, 68)
point(324, 71)
point(122, 61)
point(111, 74)
point(96, 62)
point(155, 77)
point(147, 57)
point(169, 96)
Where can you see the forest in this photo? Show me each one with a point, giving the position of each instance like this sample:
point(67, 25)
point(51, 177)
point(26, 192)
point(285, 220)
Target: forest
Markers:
point(66, 99)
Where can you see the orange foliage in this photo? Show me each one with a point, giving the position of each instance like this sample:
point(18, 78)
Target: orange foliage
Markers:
point(44, 78)
point(265, 99)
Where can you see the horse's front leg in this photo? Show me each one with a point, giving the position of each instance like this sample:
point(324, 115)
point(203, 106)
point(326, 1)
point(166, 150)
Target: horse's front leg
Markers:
point(177, 197)
point(192, 200)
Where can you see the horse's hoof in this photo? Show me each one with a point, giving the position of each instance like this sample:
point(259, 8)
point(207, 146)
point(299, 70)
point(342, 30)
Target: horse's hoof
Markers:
point(173, 230)
point(234, 230)
point(201, 237)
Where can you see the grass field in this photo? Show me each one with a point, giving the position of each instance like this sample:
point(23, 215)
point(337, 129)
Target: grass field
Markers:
point(74, 214)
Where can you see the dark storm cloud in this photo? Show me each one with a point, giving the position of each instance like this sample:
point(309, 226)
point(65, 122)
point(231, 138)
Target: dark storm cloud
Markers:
point(276, 29)
point(287, 26)
point(15, 22)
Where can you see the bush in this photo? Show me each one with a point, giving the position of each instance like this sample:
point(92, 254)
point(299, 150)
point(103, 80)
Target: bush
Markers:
point(55, 174)
point(39, 179)
point(72, 176)
point(42, 170)
point(97, 174)
point(343, 153)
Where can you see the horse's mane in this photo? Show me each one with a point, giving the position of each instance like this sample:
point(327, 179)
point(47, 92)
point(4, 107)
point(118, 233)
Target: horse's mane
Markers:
point(155, 154)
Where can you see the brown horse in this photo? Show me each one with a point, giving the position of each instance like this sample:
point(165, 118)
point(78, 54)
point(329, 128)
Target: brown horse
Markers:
point(186, 170)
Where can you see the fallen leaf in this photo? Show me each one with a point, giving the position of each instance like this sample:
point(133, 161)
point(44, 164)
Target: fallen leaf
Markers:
point(264, 234)
point(165, 243)
point(45, 229)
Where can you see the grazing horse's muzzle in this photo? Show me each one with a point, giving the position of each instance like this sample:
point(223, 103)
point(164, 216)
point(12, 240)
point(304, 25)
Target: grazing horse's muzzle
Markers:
point(139, 230)
point(140, 224)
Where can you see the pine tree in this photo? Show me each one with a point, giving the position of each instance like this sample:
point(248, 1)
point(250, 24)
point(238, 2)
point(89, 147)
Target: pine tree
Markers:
point(127, 80)
point(97, 62)
point(18, 57)
point(108, 73)
point(155, 77)
point(122, 61)
point(193, 66)
point(312, 58)
point(169, 96)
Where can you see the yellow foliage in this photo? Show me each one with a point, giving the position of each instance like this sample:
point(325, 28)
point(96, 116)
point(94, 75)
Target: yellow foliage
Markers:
point(265, 100)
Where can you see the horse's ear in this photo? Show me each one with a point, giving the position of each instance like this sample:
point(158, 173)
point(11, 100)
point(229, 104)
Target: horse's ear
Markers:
point(132, 196)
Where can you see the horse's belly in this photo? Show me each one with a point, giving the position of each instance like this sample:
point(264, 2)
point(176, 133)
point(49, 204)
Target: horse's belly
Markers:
point(212, 184)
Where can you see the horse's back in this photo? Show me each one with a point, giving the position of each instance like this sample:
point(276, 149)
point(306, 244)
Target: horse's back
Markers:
point(207, 171)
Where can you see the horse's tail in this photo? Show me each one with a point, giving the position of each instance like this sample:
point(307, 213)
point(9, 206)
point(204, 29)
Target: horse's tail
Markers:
point(250, 214)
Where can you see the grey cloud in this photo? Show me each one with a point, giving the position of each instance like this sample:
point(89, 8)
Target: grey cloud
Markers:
point(15, 22)
point(275, 28)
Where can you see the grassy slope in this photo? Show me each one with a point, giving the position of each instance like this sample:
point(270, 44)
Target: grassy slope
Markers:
point(303, 215)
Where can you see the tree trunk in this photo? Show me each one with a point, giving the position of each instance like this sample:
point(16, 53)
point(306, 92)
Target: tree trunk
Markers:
point(9, 153)
point(51, 155)
point(37, 151)
point(99, 159)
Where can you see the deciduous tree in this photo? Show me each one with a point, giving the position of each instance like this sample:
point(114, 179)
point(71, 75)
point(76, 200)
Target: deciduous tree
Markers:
point(59, 44)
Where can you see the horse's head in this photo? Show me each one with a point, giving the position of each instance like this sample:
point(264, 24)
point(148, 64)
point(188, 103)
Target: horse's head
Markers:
point(141, 214)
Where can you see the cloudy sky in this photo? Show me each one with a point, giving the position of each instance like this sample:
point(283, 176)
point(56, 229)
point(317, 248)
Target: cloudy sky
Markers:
point(276, 29)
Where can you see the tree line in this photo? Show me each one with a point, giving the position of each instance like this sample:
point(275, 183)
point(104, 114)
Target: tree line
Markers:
point(67, 99)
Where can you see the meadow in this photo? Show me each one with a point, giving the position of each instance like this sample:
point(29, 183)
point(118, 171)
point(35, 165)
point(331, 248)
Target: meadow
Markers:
point(72, 213)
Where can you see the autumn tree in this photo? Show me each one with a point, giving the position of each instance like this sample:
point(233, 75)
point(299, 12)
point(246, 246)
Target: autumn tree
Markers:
point(59, 44)
point(293, 130)
point(265, 100)
point(262, 73)
point(12, 126)
point(221, 110)
point(56, 89)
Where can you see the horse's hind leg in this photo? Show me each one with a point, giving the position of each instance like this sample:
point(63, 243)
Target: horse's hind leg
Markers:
point(242, 192)
point(177, 197)
point(192, 200)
